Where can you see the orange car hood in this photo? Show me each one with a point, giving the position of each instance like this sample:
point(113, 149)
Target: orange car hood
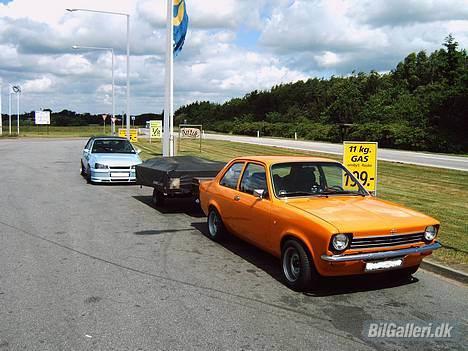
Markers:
point(362, 214)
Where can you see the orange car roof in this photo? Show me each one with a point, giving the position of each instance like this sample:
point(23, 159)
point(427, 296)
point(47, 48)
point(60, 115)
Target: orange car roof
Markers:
point(281, 159)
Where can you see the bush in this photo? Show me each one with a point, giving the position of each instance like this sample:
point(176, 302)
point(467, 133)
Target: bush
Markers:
point(396, 135)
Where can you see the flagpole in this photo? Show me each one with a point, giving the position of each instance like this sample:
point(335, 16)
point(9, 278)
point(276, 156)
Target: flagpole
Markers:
point(168, 135)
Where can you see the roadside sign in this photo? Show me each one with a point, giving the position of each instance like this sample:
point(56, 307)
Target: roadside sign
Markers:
point(155, 129)
point(190, 131)
point(133, 134)
point(104, 117)
point(113, 119)
point(42, 117)
point(360, 158)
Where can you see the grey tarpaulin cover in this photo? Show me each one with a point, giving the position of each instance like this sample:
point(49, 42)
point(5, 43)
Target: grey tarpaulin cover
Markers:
point(157, 171)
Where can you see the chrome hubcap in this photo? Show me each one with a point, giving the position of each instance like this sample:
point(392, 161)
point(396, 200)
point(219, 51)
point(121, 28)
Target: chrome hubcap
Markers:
point(291, 264)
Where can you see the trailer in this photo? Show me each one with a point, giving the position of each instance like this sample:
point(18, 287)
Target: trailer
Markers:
point(175, 177)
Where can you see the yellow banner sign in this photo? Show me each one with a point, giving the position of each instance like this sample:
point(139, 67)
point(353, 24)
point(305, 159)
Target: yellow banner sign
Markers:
point(155, 129)
point(360, 158)
point(133, 134)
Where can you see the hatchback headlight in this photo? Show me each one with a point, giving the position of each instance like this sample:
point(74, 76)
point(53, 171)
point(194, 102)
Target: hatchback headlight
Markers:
point(100, 166)
point(340, 242)
point(430, 233)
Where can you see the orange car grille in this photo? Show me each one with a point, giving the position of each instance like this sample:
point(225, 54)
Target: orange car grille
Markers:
point(383, 241)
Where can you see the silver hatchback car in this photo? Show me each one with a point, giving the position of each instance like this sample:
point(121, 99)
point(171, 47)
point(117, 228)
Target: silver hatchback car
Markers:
point(109, 160)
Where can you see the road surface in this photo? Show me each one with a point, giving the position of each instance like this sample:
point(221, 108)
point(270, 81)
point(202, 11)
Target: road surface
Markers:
point(86, 267)
point(416, 158)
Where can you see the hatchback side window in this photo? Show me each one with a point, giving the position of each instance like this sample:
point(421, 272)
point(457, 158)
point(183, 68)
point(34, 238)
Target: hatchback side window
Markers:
point(88, 144)
point(232, 175)
point(254, 178)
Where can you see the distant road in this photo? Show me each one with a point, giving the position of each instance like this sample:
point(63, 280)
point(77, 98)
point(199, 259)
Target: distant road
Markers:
point(410, 157)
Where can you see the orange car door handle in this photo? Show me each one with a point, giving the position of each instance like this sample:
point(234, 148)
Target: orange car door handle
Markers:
point(237, 198)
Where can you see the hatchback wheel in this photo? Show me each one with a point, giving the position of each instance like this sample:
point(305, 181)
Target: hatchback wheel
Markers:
point(216, 229)
point(88, 176)
point(298, 267)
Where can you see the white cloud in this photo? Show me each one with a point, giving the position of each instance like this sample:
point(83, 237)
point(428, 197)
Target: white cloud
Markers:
point(318, 26)
point(221, 58)
point(343, 35)
point(327, 59)
point(40, 85)
point(408, 12)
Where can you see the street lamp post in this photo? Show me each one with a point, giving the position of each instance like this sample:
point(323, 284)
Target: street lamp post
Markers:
point(76, 47)
point(9, 108)
point(128, 56)
point(17, 111)
point(14, 89)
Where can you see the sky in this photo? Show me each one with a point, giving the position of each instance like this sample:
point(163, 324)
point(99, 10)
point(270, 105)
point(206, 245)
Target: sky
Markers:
point(232, 47)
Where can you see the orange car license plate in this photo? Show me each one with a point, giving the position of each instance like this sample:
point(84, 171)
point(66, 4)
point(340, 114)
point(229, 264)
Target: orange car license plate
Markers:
point(381, 265)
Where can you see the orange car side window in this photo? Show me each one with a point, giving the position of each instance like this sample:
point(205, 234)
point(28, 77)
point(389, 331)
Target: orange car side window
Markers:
point(254, 178)
point(231, 177)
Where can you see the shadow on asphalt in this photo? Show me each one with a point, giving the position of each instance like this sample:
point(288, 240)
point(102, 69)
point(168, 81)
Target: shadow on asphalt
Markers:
point(159, 232)
point(329, 286)
point(181, 205)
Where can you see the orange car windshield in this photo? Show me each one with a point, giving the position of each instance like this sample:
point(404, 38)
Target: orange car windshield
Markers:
point(314, 178)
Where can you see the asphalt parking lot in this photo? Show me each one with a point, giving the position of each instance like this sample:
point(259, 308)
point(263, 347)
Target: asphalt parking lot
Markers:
point(88, 267)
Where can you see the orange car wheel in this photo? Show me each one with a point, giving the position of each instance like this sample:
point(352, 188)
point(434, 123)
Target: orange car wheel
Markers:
point(298, 268)
point(216, 229)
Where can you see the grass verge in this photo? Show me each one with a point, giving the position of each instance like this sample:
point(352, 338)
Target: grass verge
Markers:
point(57, 132)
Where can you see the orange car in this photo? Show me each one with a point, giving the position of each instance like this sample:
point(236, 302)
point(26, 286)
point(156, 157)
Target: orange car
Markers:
point(316, 216)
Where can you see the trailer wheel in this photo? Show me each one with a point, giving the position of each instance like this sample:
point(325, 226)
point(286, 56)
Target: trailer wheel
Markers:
point(158, 198)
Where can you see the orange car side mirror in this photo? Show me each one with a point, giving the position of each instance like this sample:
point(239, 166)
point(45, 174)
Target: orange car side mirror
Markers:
point(259, 193)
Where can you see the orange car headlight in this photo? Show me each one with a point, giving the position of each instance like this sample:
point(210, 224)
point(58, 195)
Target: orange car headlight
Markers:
point(340, 242)
point(430, 233)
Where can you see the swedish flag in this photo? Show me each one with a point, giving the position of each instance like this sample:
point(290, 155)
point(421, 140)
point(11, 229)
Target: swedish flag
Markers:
point(180, 24)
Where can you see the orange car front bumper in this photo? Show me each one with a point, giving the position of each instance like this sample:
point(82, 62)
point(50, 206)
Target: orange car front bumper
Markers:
point(336, 265)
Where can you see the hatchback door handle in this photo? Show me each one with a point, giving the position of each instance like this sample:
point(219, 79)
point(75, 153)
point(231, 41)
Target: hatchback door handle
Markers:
point(237, 198)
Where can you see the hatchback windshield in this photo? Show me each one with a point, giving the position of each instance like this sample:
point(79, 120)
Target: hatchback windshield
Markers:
point(112, 146)
point(313, 178)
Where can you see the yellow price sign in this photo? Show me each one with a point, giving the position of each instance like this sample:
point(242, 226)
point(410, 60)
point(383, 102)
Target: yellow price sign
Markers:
point(133, 134)
point(155, 129)
point(360, 158)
